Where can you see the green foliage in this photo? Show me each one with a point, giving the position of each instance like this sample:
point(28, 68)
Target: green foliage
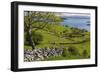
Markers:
point(85, 54)
point(66, 26)
point(40, 19)
point(73, 50)
point(37, 38)
point(65, 52)
point(37, 20)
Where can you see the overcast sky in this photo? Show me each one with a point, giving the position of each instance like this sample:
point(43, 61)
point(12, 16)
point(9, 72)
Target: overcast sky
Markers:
point(68, 14)
point(72, 14)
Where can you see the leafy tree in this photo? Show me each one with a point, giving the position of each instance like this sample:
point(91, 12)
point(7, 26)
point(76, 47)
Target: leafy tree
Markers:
point(38, 20)
point(83, 30)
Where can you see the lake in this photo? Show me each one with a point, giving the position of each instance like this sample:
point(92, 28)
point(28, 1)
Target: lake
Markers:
point(81, 22)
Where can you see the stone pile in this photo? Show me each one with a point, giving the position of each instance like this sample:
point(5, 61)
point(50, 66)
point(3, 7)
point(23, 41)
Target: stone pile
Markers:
point(41, 54)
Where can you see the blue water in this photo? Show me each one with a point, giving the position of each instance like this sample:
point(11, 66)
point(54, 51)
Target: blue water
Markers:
point(77, 22)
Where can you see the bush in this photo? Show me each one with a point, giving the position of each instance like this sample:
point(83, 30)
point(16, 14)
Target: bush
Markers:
point(65, 52)
point(85, 54)
point(73, 50)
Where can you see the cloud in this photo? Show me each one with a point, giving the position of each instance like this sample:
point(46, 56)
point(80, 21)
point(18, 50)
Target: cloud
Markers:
point(72, 14)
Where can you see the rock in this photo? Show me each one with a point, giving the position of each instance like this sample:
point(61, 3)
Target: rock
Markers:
point(41, 54)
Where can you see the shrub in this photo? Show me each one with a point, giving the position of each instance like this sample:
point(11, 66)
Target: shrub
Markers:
point(85, 54)
point(73, 50)
point(65, 52)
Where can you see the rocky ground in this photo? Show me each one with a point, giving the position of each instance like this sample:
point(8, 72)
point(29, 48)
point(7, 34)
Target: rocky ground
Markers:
point(41, 54)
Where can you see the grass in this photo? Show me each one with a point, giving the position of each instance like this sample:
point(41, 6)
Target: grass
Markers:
point(66, 58)
point(52, 40)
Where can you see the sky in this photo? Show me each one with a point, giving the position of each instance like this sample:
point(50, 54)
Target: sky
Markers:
point(72, 14)
point(69, 14)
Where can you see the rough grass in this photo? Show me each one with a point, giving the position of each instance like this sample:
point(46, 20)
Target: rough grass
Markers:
point(52, 40)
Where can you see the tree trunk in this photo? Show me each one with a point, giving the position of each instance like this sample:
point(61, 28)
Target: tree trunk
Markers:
point(30, 39)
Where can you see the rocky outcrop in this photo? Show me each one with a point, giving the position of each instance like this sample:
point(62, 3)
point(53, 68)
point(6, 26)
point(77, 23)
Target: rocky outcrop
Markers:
point(41, 54)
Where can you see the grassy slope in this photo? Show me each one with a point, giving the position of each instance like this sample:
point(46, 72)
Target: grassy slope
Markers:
point(49, 37)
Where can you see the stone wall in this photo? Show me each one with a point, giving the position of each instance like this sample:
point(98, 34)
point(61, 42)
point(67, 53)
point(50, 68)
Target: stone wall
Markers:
point(41, 54)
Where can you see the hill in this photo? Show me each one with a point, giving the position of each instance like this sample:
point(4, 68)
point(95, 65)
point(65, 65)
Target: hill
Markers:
point(66, 37)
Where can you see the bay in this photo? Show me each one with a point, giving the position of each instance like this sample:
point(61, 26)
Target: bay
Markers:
point(81, 22)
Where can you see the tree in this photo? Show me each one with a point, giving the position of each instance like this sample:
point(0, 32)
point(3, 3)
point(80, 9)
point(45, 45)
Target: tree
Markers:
point(76, 30)
point(38, 20)
point(37, 37)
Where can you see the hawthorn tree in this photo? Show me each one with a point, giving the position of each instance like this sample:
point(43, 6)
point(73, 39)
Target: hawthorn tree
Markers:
point(34, 20)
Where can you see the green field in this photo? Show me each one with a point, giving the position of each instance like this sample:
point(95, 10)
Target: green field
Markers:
point(61, 36)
